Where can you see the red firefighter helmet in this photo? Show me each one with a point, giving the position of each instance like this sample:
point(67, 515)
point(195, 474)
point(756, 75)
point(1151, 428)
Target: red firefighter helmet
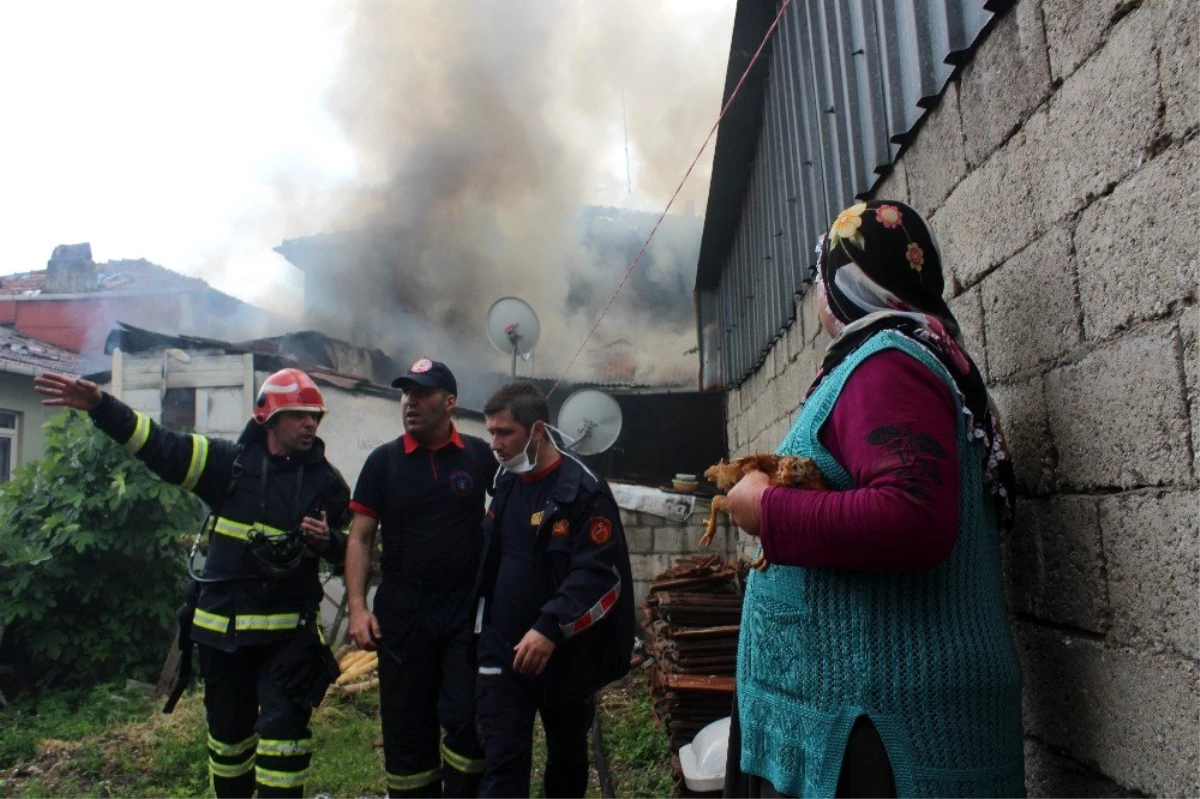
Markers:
point(287, 390)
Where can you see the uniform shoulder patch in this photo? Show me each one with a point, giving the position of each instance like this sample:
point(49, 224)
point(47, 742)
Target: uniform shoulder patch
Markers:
point(536, 519)
point(561, 528)
point(599, 530)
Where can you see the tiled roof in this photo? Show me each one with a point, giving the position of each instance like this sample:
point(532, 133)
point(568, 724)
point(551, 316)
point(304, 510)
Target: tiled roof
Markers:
point(31, 354)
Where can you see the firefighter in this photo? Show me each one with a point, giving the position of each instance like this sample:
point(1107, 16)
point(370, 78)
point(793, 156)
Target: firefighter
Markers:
point(555, 613)
point(426, 492)
point(276, 505)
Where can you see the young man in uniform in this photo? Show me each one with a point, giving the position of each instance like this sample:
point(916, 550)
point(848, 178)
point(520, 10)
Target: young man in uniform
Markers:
point(555, 613)
point(426, 492)
point(276, 503)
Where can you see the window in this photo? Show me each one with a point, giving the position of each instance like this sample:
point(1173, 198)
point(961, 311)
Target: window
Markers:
point(8, 443)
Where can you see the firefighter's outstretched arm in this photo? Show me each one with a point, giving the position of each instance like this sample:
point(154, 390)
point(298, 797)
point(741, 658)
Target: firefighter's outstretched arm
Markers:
point(191, 461)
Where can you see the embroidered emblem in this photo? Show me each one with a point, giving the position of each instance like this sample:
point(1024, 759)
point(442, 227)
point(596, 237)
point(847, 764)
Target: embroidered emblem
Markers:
point(422, 366)
point(461, 483)
point(536, 519)
point(561, 528)
point(599, 530)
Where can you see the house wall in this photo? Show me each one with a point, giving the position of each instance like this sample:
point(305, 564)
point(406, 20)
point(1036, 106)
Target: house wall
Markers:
point(1060, 170)
point(17, 394)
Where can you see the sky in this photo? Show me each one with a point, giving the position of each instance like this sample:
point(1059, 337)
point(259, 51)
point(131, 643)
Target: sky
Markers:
point(200, 135)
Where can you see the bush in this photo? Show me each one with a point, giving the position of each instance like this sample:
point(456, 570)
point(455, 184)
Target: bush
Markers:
point(91, 567)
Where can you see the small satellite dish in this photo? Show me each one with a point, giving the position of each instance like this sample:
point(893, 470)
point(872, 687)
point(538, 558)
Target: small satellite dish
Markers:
point(513, 328)
point(590, 420)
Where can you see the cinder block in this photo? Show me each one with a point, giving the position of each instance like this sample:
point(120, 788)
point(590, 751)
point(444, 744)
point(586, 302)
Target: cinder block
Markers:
point(1132, 266)
point(640, 589)
point(1150, 543)
point(1074, 31)
point(895, 185)
point(675, 539)
point(1077, 150)
point(1177, 32)
point(1189, 321)
point(936, 162)
point(1131, 715)
point(968, 310)
point(1030, 315)
point(1026, 427)
point(640, 538)
point(643, 567)
point(1118, 416)
point(629, 519)
point(1007, 78)
point(989, 216)
point(1063, 581)
point(1049, 774)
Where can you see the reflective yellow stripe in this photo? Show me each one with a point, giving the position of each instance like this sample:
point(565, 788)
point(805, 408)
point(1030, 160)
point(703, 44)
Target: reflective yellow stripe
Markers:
point(460, 763)
point(280, 779)
point(141, 432)
point(226, 770)
point(210, 621)
point(199, 459)
point(231, 750)
point(297, 747)
point(410, 782)
point(251, 621)
point(275, 621)
point(241, 531)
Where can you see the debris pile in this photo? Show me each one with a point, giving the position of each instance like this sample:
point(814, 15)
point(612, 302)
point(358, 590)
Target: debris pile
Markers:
point(693, 614)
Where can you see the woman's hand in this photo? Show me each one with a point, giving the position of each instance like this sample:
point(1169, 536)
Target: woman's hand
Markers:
point(745, 499)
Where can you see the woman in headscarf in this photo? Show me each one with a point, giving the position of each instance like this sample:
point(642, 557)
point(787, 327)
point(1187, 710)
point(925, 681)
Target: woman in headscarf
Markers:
point(875, 656)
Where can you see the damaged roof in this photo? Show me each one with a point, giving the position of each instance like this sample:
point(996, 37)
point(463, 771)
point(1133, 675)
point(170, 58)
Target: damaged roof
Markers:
point(25, 355)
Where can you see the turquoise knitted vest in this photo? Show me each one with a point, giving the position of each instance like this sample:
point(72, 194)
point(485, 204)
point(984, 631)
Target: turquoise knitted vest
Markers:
point(927, 656)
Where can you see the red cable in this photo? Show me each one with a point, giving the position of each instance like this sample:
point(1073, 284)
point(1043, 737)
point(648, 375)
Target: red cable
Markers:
point(632, 264)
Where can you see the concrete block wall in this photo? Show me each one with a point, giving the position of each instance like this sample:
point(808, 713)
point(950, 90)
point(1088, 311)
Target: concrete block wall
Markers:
point(655, 543)
point(1060, 172)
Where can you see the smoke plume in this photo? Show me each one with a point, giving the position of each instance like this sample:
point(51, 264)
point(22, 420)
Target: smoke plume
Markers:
point(489, 138)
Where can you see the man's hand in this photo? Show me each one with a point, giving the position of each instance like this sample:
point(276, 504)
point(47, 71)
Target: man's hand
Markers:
point(364, 628)
point(316, 532)
point(533, 653)
point(67, 392)
point(744, 501)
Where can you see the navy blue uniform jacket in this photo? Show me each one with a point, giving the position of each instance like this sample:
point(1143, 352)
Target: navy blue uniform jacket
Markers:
point(582, 580)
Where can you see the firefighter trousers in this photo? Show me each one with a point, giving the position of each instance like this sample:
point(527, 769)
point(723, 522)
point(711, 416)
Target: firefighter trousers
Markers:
point(258, 736)
point(505, 706)
point(426, 686)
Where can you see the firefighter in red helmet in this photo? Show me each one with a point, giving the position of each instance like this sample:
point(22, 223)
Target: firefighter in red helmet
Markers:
point(276, 505)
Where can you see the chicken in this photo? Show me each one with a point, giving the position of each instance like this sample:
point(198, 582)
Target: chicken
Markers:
point(783, 470)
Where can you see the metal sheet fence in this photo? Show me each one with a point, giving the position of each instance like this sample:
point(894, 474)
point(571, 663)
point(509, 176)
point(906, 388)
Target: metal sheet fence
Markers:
point(844, 84)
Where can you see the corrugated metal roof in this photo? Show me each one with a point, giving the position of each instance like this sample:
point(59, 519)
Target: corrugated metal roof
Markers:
point(819, 121)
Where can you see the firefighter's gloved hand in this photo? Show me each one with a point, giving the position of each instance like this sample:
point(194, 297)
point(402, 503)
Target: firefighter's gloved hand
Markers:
point(532, 654)
point(316, 532)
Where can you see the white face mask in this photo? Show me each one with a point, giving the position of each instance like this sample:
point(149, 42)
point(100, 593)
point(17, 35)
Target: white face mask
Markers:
point(521, 462)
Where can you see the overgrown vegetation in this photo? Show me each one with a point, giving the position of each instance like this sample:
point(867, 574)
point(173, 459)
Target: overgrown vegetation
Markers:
point(110, 744)
point(90, 560)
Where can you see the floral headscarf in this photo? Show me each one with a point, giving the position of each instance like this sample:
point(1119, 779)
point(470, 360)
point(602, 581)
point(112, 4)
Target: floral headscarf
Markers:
point(879, 268)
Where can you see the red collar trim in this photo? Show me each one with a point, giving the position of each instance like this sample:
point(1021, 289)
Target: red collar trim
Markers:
point(411, 445)
point(534, 476)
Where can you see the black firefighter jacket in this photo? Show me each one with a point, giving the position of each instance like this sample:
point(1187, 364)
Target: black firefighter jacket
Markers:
point(582, 581)
point(246, 490)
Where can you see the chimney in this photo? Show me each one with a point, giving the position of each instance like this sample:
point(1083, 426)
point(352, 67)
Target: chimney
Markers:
point(70, 270)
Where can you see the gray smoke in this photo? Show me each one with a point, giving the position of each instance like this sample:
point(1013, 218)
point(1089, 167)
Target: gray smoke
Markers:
point(483, 132)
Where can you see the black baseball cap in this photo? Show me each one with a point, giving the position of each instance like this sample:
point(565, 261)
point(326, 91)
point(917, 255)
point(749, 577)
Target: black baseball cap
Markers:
point(428, 373)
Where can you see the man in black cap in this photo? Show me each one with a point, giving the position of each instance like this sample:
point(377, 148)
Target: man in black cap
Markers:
point(426, 491)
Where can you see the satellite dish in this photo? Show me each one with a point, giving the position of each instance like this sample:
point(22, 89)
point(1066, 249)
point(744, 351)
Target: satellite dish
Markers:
point(513, 328)
point(590, 421)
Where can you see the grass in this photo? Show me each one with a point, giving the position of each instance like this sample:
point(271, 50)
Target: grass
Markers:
point(106, 742)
